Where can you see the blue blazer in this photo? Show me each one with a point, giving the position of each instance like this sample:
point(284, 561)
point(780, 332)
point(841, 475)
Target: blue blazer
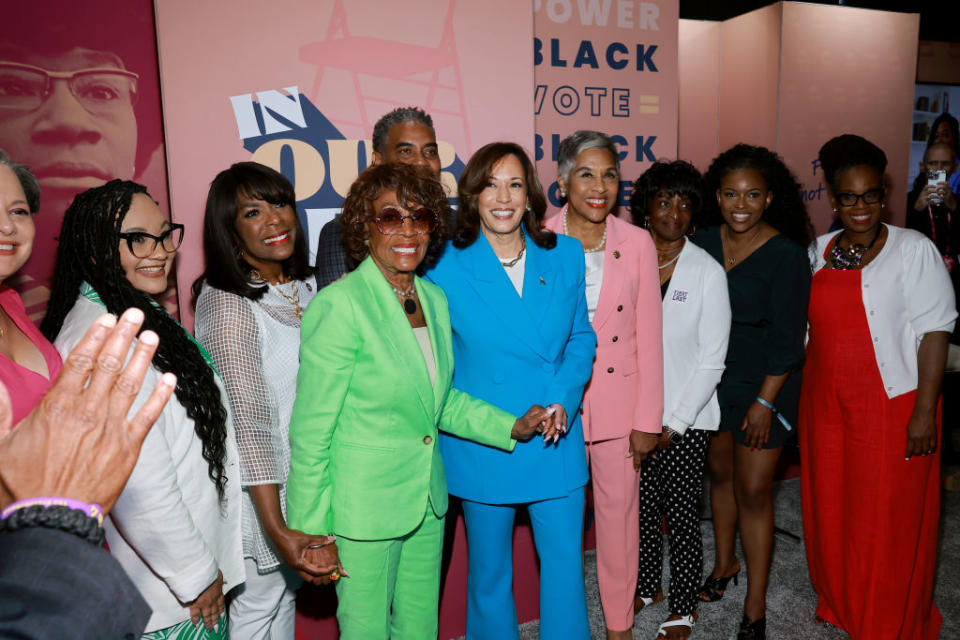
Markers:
point(514, 352)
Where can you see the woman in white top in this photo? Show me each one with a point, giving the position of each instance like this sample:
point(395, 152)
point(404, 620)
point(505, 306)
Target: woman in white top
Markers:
point(881, 312)
point(256, 283)
point(696, 329)
point(176, 526)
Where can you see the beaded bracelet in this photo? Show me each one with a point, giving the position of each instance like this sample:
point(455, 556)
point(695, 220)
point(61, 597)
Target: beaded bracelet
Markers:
point(59, 517)
point(92, 510)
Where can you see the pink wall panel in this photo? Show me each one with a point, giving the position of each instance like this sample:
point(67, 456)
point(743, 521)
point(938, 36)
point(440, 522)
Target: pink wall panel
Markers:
point(698, 74)
point(846, 70)
point(749, 73)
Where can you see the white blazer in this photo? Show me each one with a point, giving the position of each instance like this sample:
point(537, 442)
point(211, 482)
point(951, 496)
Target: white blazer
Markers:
point(906, 294)
point(696, 331)
point(168, 529)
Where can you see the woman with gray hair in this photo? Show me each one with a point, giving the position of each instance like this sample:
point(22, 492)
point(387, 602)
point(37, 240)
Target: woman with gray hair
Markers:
point(28, 362)
point(623, 402)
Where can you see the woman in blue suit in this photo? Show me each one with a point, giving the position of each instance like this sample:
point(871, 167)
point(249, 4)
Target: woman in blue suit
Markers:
point(520, 335)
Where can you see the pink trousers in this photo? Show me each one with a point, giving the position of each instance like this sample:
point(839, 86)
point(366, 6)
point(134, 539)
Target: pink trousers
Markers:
point(616, 504)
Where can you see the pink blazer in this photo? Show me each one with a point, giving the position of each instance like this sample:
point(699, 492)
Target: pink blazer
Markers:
point(625, 391)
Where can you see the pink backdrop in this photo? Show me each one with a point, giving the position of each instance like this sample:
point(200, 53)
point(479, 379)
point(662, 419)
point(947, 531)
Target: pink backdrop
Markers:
point(298, 86)
point(609, 66)
point(351, 61)
point(793, 75)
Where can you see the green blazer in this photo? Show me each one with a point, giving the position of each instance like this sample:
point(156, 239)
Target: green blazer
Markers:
point(363, 435)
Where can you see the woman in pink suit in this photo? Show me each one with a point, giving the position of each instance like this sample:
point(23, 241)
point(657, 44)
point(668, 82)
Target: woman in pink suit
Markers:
point(623, 403)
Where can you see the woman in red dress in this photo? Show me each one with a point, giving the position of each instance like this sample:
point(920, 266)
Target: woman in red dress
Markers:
point(881, 310)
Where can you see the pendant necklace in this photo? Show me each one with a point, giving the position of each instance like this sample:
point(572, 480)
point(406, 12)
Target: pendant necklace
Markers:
point(409, 305)
point(732, 259)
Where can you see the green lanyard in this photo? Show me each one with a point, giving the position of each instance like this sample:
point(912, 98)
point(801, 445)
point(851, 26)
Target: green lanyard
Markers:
point(91, 294)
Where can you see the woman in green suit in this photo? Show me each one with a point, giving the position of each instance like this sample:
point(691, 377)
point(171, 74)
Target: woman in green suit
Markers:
point(373, 388)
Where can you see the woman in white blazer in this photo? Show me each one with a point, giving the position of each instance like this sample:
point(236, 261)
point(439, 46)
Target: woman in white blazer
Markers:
point(696, 330)
point(176, 527)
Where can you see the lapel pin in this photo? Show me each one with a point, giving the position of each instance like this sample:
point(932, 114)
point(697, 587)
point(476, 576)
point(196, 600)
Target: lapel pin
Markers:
point(542, 281)
point(616, 254)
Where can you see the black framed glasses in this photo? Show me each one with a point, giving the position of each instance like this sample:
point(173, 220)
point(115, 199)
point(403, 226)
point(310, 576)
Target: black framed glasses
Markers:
point(848, 199)
point(390, 221)
point(100, 90)
point(143, 244)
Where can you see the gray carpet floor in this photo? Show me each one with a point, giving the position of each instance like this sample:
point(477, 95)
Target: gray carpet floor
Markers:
point(791, 600)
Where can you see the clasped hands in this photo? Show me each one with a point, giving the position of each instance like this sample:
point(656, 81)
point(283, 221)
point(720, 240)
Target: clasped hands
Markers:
point(550, 422)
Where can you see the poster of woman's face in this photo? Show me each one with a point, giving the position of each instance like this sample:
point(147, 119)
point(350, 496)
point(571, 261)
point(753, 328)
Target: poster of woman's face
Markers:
point(79, 105)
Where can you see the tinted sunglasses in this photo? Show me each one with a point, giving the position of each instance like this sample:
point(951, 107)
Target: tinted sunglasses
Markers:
point(390, 221)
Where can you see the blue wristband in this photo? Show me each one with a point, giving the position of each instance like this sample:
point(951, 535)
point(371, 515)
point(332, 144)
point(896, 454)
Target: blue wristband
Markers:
point(783, 421)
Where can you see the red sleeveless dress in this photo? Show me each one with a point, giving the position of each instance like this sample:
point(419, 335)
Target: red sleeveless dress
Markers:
point(869, 517)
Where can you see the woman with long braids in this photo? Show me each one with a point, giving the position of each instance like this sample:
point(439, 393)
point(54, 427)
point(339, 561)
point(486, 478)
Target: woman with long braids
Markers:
point(757, 227)
point(176, 526)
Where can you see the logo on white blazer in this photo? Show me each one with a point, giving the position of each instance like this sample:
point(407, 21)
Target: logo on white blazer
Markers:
point(679, 295)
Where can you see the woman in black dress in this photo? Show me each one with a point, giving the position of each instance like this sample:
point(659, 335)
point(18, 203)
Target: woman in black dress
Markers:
point(758, 230)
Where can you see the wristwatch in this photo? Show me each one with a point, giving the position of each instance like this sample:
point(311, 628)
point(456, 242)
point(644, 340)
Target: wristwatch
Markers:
point(674, 436)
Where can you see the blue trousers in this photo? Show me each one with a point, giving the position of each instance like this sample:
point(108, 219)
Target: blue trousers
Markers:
point(558, 536)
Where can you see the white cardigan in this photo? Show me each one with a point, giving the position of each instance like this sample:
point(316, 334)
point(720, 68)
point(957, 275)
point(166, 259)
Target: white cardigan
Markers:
point(906, 294)
point(696, 331)
point(168, 529)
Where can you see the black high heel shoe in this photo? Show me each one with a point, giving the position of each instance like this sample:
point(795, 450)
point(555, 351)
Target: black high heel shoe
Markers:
point(714, 588)
point(752, 629)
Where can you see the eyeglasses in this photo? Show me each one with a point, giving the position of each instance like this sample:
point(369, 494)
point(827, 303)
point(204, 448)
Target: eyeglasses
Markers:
point(390, 221)
point(847, 199)
point(143, 244)
point(101, 91)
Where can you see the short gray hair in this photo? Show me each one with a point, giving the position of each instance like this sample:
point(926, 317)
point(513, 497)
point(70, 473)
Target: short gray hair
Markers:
point(381, 130)
point(578, 142)
point(28, 181)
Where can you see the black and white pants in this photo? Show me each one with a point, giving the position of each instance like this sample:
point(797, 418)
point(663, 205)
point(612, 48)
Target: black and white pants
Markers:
point(671, 485)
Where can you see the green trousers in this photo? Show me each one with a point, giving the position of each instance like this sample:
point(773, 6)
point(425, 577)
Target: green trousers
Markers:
point(394, 586)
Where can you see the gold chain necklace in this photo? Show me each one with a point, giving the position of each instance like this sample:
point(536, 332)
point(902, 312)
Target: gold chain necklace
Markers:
point(732, 259)
point(293, 299)
point(509, 263)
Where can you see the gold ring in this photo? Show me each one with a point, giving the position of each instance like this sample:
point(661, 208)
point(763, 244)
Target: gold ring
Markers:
point(335, 575)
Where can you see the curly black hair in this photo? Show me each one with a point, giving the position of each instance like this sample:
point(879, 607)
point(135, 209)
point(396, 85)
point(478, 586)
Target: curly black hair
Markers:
point(787, 212)
point(674, 178)
point(413, 185)
point(89, 252)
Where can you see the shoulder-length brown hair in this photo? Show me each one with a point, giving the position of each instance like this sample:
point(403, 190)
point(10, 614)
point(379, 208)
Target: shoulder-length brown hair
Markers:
point(413, 186)
point(474, 180)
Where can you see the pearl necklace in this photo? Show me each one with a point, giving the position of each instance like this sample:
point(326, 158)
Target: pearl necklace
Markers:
point(603, 240)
